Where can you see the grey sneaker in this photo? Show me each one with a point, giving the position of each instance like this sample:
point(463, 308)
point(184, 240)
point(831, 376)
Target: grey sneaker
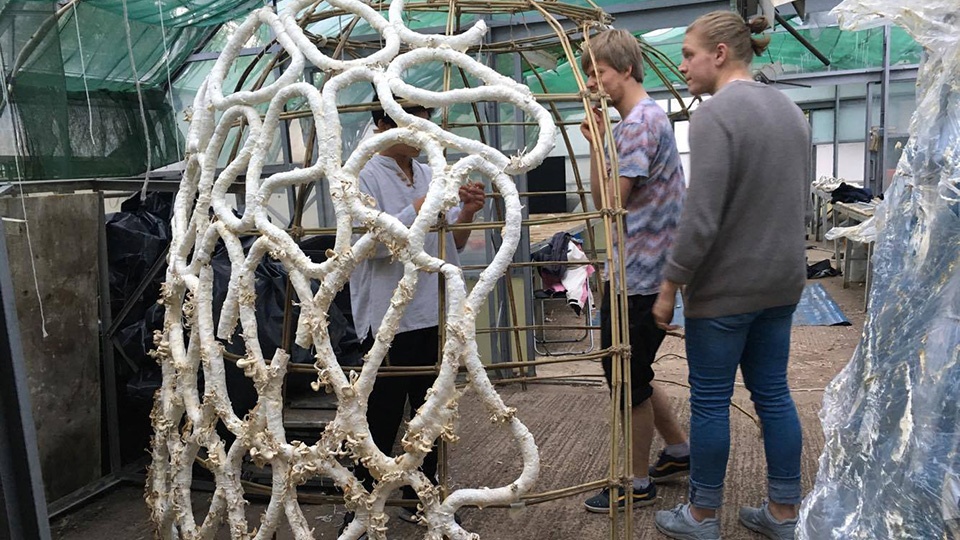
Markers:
point(679, 524)
point(762, 521)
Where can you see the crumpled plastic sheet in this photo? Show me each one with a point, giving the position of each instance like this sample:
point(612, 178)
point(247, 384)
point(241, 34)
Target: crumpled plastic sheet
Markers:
point(826, 184)
point(864, 232)
point(891, 465)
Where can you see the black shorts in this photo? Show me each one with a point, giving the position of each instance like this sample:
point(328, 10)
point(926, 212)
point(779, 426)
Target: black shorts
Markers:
point(645, 339)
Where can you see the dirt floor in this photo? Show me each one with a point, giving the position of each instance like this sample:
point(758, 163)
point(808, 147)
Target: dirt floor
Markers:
point(571, 425)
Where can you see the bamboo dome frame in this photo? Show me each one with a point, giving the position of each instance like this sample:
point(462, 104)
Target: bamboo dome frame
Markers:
point(587, 21)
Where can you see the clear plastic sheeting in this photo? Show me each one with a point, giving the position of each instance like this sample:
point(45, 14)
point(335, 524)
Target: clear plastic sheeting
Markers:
point(891, 465)
point(864, 233)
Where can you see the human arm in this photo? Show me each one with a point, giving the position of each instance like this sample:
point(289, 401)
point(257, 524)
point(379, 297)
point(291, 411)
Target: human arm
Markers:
point(598, 162)
point(711, 179)
point(663, 307)
point(473, 198)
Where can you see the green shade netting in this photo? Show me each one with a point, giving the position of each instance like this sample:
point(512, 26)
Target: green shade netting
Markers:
point(334, 26)
point(846, 50)
point(179, 13)
point(74, 115)
point(105, 62)
point(69, 83)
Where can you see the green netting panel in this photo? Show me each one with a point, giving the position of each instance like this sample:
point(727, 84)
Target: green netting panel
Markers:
point(63, 130)
point(117, 146)
point(261, 37)
point(334, 26)
point(105, 59)
point(846, 51)
point(36, 93)
point(176, 13)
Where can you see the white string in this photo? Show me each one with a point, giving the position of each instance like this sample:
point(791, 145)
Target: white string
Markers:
point(23, 205)
point(83, 73)
point(143, 113)
point(166, 63)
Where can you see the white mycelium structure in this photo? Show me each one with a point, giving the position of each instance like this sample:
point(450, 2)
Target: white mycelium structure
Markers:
point(185, 422)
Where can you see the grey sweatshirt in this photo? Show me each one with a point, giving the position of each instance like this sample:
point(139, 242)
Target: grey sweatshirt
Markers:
point(740, 245)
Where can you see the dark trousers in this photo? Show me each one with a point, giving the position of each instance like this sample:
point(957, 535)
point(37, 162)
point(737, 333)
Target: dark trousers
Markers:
point(390, 394)
point(645, 339)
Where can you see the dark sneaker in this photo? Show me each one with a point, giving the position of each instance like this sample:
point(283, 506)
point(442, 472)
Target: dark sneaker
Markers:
point(680, 525)
point(762, 521)
point(669, 467)
point(600, 502)
point(408, 514)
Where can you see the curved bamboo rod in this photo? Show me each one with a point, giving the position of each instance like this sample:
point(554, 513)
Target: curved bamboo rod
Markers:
point(620, 415)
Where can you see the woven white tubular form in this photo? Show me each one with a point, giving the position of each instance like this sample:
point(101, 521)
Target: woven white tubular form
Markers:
point(185, 421)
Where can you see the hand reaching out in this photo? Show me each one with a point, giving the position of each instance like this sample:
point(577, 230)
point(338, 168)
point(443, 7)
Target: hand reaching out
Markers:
point(472, 196)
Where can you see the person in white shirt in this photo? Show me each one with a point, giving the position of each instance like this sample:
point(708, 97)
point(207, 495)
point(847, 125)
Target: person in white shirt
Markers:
point(398, 183)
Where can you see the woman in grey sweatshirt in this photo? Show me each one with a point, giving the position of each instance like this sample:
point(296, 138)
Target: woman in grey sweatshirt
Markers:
point(739, 255)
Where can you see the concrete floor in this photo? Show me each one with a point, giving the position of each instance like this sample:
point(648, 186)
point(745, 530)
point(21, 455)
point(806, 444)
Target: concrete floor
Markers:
point(571, 427)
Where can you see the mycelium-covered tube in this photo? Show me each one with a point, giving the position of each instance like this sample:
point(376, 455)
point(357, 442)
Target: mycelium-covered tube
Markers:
point(185, 421)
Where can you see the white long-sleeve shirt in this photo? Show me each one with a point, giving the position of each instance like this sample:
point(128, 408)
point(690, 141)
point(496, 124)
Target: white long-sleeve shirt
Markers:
point(375, 280)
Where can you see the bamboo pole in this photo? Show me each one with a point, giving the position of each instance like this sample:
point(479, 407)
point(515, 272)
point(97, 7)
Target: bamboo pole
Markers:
point(441, 445)
point(620, 414)
point(531, 499)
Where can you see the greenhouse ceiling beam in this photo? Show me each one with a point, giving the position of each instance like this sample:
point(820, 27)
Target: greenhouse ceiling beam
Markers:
point(643, 17)
point(851, 76)
point(898, 73)
point(636, 17)
point(640, 16)
point(160, 180)
point(213, 55)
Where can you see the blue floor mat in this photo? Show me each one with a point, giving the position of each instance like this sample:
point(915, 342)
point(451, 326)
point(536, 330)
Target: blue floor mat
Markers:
point(816, 308)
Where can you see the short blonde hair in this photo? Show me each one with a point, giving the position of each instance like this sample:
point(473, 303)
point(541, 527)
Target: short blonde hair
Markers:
point(731, 29)
point(617, 48)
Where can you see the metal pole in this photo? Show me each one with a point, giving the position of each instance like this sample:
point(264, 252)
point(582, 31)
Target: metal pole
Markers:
point(25, 505)
point(836, 131)
point(492, 113)
point(523, 250)
point(106, 347)
point(803, 41)
point(884, 106)
point(286, 147)
point(866, 137)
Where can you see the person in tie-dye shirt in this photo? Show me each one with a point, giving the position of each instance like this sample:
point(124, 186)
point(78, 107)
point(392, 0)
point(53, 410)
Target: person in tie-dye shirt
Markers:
point(650, 187)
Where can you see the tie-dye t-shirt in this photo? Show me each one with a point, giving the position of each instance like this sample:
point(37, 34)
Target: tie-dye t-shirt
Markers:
point(647, 152)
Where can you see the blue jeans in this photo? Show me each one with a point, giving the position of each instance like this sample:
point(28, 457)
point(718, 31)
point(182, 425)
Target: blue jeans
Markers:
point(759, 343)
